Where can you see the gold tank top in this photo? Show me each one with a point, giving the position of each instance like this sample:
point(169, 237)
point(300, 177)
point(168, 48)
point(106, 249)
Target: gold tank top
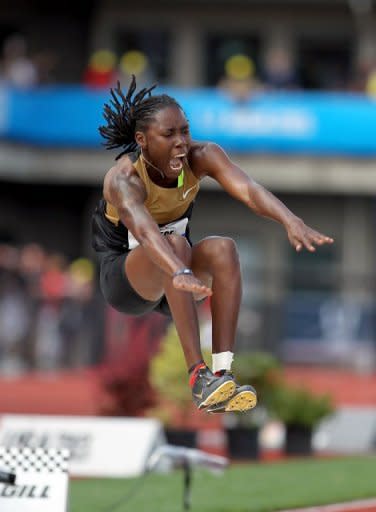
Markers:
point(164, 204)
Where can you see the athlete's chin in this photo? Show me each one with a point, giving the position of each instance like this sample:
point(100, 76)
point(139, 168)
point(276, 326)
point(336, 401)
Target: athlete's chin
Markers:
point(173, 174)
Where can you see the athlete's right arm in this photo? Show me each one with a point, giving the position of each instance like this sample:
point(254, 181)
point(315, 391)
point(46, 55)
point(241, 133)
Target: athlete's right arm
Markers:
point(124, 189)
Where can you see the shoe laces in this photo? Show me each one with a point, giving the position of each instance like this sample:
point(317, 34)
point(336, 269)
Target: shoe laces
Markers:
point(206, 374)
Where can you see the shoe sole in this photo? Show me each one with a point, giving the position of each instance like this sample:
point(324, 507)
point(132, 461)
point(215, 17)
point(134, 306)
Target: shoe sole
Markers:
point(221, 394)
point(241, 402)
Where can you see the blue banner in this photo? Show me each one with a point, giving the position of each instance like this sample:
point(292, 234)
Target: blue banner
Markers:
point(292, 123)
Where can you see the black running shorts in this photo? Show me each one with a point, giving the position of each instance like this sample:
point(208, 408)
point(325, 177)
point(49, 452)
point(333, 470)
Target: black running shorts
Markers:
point(117, 290)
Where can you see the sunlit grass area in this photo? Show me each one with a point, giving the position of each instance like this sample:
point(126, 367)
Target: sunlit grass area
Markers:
point(257, 487)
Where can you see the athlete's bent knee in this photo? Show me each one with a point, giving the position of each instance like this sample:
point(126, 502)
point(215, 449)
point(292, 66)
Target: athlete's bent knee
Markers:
point(224, 252)
point(219, 245)
point(226, 244)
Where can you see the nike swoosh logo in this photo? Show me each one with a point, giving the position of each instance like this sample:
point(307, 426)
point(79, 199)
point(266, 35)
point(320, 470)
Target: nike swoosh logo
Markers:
point(187, 191)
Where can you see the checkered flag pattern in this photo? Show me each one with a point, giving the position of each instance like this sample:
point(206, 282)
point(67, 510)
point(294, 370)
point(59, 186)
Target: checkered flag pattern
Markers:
point(36, 460)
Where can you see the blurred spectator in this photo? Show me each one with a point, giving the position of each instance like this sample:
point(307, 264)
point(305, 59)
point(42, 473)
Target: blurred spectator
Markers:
point(18, 69)
point(279, 72)
point(364, 78)
point(14, 314)
point(53, 279)
point(32, 262)
point(101, 71)
point(370, 86)
point(48, 343)
point(358, 79)
point(45, 62)
point(135, 62)
point(240, 81)
point(9, 259)
point(75, 316)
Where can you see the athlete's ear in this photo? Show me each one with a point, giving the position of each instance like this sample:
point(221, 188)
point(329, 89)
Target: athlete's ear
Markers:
point(140, 139)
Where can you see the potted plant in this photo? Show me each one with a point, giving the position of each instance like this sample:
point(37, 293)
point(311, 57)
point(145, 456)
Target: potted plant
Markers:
point(300, 411)
point(261, 370)
point(169, 378)
point(242, 433)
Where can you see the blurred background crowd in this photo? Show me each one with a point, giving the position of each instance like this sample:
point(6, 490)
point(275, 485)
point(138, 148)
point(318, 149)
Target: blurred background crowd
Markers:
point(276, 46)
point(49, 314)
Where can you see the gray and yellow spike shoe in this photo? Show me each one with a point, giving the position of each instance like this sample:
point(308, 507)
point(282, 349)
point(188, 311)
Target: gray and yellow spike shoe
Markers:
point(210, 390)
point(244, 399)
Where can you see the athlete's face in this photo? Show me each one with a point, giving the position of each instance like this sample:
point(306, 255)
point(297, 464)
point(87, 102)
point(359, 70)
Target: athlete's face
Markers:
point(166, 141)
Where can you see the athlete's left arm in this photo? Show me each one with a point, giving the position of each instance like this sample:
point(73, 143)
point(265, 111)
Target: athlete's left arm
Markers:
point(239, 185)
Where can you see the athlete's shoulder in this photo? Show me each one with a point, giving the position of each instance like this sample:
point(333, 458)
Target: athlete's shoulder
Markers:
point(123, 172)
point(200, 156)
point(203, 149)
point(123, 168)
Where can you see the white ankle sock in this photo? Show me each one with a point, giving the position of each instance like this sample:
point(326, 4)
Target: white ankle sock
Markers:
point(222, 361)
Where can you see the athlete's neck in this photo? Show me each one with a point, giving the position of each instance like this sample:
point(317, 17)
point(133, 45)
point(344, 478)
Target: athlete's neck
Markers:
point(160, 178)
point(152, 165)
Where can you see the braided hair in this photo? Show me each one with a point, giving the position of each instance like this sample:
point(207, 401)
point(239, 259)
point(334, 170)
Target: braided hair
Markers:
point(128, 113)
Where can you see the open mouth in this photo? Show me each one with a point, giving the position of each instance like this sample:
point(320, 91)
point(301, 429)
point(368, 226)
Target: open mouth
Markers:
point(176, 163)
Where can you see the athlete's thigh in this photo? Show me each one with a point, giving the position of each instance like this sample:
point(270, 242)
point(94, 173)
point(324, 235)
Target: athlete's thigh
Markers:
point(201, 255)
point(144, 276)
point(204, 253)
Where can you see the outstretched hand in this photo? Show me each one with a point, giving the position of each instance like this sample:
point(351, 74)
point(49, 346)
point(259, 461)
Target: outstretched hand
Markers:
point(190, 283)
point(302, 236)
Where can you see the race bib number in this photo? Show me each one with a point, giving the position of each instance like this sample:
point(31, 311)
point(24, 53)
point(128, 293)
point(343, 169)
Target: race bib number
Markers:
point(177, 227)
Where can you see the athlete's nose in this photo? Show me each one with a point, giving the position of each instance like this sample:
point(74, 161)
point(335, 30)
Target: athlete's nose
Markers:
point(181, 141)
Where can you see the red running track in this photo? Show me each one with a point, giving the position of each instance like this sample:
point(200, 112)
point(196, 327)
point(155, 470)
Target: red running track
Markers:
point(353, 506)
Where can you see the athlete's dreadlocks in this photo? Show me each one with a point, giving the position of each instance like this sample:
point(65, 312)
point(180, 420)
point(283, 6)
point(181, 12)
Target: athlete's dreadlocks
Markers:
point(129, 115)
